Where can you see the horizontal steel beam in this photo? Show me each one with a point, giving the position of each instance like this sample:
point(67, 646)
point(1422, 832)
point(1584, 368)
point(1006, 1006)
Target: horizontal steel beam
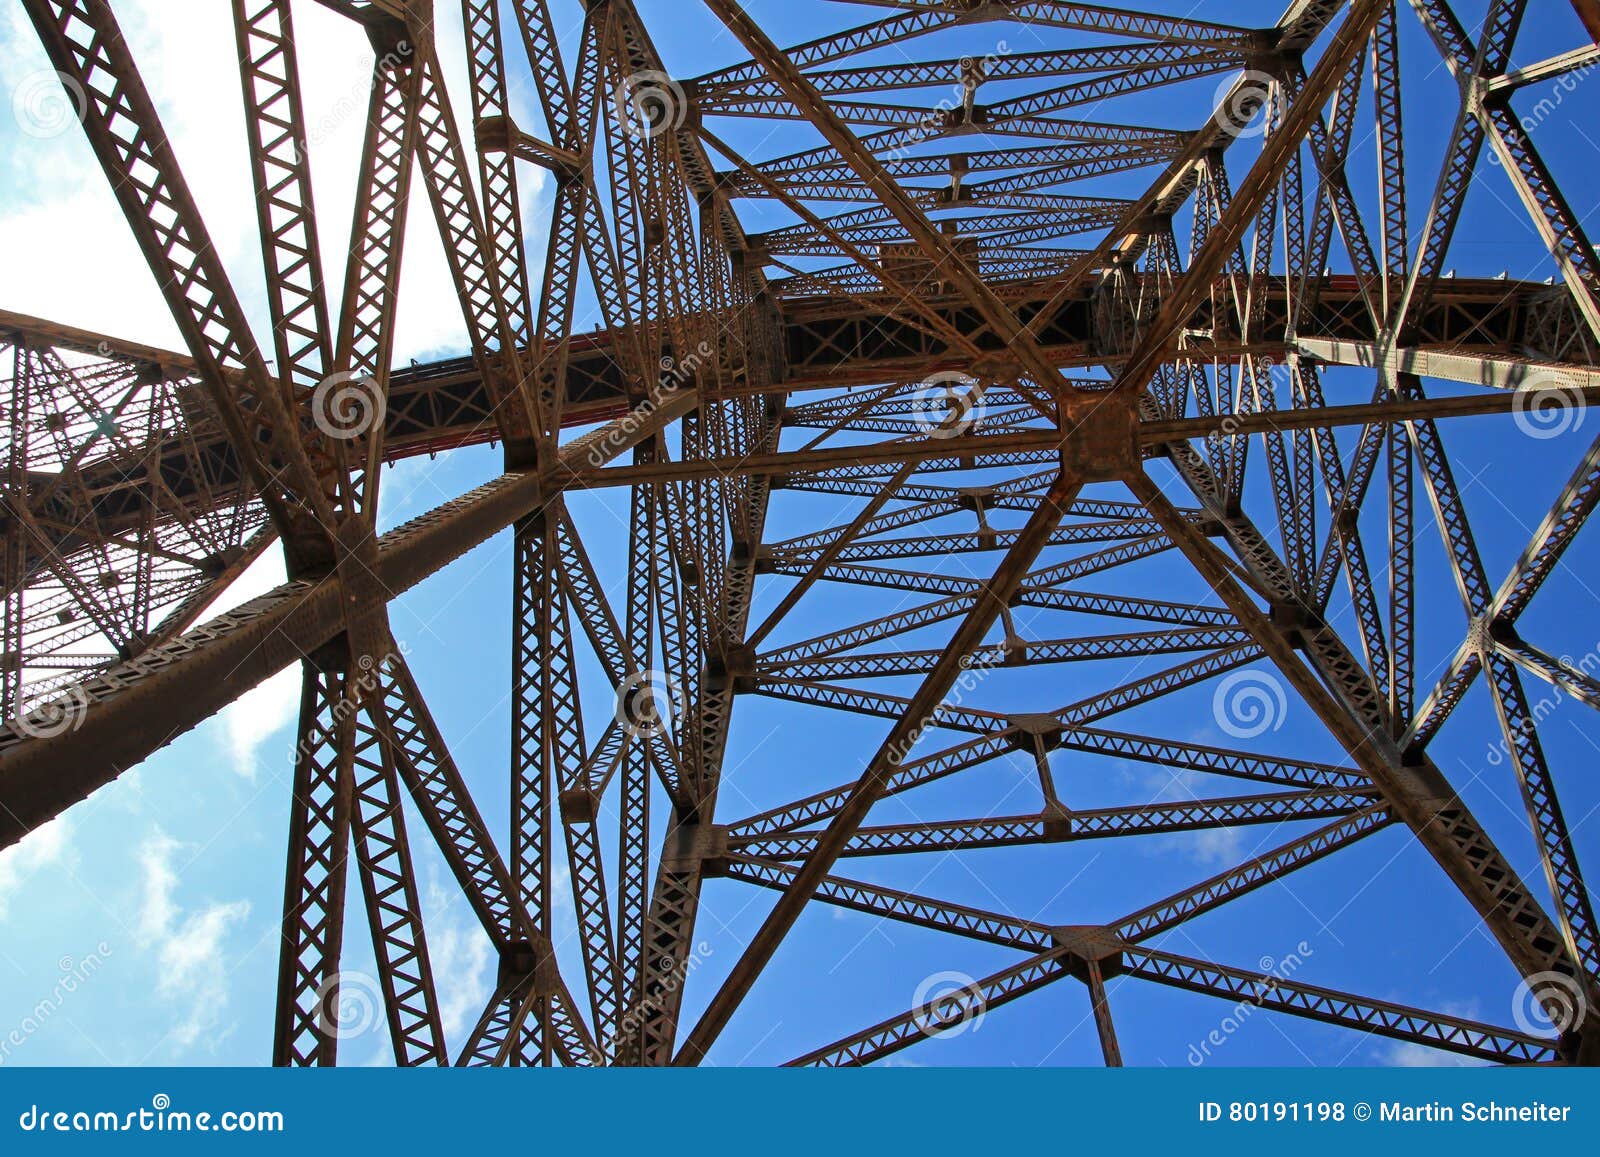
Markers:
point(1500, 372)
point(826, 343)
point(1150, 434)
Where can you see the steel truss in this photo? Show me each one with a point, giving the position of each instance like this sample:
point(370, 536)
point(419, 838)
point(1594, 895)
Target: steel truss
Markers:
point(1021, 395)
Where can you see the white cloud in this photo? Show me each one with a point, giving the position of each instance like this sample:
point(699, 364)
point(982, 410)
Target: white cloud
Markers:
point(258, 578)
point(60, 219)
point(158, 881)
point(47, 279)
point(1406, 1055)
point(251, 721)
point(1217, 845)
point(43, 847)
point(1208, 846)
point(459, 952)
point(189, 946)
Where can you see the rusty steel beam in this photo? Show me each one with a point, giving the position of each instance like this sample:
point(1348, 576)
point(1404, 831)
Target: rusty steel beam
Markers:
point(874, 780)
point(142, 705)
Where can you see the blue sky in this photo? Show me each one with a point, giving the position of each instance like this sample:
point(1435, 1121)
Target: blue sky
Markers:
point(171, 879)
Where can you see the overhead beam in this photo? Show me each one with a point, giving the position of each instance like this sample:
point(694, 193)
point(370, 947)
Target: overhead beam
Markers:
point(1499, 372)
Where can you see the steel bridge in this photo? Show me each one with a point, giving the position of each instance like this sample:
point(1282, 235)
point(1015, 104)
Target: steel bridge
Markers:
point(1035, 353)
